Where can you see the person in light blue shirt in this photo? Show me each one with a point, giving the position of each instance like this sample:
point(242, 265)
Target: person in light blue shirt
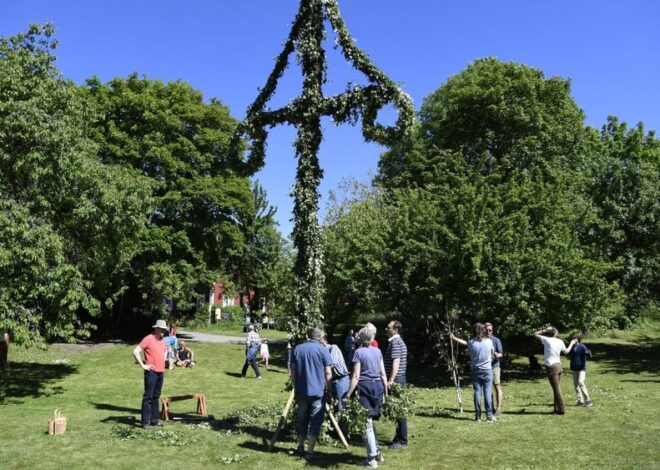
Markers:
point(481, 352)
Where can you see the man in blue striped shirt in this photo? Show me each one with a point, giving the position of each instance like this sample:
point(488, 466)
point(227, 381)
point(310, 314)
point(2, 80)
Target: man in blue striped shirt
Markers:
point(396, 362)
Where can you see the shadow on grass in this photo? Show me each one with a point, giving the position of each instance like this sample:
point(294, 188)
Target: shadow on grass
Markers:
point(626, 358)
point(32, 380)
point(109, 407)
point(325, 460)
point(127, 420)
point(655, 381)
point(234, 374)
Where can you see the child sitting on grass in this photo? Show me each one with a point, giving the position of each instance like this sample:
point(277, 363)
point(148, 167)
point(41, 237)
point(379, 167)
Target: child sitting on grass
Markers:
point(578, 355)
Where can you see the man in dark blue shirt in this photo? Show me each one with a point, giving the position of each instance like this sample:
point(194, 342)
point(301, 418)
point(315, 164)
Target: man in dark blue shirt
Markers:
point(578, 354)
point(313, 375)
point(497, 370)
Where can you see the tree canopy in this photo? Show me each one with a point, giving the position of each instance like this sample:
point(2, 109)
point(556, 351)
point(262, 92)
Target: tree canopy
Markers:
point(496, 208)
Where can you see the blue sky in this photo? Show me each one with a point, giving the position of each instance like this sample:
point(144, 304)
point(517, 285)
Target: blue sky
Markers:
point(225, 48)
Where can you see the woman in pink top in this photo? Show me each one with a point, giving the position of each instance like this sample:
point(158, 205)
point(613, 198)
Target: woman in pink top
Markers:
point(153, 347)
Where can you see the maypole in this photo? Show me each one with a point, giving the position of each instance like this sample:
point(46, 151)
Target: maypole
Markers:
point(305, 113)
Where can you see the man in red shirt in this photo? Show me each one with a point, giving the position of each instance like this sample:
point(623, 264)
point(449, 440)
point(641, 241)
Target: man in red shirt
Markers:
point(153, 347)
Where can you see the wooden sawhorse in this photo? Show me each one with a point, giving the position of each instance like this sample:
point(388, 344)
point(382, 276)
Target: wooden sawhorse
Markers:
point(201, 404)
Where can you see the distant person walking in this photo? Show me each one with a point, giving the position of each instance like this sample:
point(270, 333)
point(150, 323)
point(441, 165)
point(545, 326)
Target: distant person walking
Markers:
point(481, 353)
point(552, 349)
point(252, 344)
point(578, 355)
point(497, 369)
point(312, 369)
point(153, 347)
point(370, 379)
point(396, 363)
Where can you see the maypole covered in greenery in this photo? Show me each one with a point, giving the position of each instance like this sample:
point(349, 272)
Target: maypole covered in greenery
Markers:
point(305, 112)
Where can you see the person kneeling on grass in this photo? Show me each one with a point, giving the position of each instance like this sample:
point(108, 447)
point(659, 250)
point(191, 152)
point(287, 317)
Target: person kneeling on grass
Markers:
point(481, 351)
point(185, 356)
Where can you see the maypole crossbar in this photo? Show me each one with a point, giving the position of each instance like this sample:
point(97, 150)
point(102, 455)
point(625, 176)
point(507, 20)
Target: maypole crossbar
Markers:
point(305, 113)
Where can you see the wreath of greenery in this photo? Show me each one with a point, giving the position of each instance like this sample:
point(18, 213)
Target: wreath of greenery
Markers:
point(305, 112)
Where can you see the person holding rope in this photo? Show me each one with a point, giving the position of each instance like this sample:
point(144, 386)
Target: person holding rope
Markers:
point(481, 352)
point(370, 379)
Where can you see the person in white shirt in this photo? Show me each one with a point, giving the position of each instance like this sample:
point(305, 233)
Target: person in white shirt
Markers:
point(552, 349)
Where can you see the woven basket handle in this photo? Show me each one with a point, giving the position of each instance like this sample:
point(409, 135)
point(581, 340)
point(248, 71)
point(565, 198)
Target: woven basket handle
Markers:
point(58, 413)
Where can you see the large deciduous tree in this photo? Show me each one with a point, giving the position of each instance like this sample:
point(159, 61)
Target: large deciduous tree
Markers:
point(489, 201)
point(69, 222)
point(625, 190)
point(179, 143)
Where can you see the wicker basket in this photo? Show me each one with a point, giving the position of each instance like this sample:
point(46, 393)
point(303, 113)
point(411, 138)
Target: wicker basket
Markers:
point(57, 425)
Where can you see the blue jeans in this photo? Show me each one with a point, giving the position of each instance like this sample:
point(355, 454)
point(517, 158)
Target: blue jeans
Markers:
point(482, 380)
point(401, 434)
point(339, 389)
point(371, 439)
point(153, 384)
point(310, 415)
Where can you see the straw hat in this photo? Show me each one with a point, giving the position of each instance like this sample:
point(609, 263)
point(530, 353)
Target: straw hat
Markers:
point(161, 325)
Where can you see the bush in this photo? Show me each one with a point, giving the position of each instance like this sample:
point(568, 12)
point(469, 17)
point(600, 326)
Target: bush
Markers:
point(232, 317)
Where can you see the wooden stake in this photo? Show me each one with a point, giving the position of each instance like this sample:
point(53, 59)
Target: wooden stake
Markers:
point(334, 422)
point(457, 381)
point(282, 420)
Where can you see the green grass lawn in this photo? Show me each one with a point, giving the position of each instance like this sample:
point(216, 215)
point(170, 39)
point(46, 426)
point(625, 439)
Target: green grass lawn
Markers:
point(99, 390)
point(231, 329)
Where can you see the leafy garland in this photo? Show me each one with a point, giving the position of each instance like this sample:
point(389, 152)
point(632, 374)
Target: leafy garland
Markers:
point(305, 112)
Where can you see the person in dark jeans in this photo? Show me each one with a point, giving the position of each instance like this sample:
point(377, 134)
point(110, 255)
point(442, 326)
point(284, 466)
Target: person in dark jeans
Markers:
point(153, 347)
point(396, 363)
point(252, 343)
point(312, 371)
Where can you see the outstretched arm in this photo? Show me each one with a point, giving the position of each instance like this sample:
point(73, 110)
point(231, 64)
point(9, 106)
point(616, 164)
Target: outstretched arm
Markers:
point(538, 334)
point(570, 346)
point(458, 340)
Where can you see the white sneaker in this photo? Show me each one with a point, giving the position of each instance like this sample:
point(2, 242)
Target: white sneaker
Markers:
point(369, 463)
